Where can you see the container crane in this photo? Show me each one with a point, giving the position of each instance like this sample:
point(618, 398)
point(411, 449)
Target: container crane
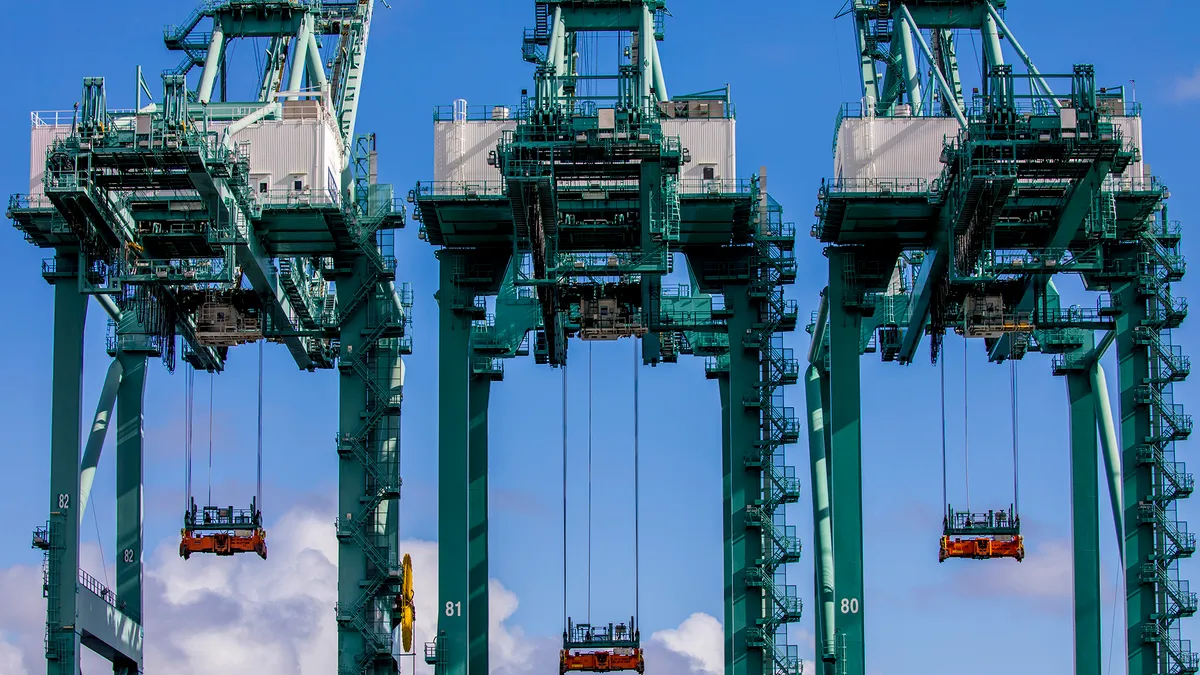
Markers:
point(182, 220)
point(564, 213)
point(954, 206)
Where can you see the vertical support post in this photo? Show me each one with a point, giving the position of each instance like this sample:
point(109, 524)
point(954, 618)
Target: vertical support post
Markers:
point(818, 461)
point(1085, 522)
point(70, 313)
point(299, 57)
point(130, 452)
point(912, 77)
point(646, 56)
point(352, 473)
point(992, 52)
point(660, 78)
point(212, 63)
point(477, 507)
point(845, 455)
point(1138, 479)
point(745, 546)
point(727, 411)
point(454, 372)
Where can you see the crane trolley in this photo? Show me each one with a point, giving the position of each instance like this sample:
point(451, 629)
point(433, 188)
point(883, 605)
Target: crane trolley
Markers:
point(223, 530)
point(981, 536)
point(601, 649)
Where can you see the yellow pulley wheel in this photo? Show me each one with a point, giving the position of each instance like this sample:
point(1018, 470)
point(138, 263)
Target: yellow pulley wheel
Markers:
point(408, 612)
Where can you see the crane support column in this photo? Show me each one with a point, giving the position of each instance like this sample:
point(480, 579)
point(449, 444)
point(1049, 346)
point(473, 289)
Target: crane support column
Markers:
point(727, 477)
point(819, 462)
point(745, 547)
point(477, 507)
point(130, 452)
point(845, 454)
point(70, 313)
point(454, 374)
point(1085, 521)
point(1138, 484)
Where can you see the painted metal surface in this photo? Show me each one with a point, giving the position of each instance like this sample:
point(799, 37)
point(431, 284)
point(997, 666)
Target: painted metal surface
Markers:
point(905, 148)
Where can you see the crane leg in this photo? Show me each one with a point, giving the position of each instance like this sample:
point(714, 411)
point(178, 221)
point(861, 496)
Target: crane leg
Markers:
point(70, 313)
point(1085, 522)
point(454, 373)
point(845, 456)
point(130, 442)
point(477, 507)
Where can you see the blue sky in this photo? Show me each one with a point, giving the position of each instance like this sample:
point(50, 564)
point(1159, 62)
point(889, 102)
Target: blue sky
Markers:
point(790, 66)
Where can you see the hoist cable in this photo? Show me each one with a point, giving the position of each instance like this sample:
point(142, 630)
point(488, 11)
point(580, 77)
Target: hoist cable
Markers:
point(637, 539)
point(966, 435)
point(1012, 366)
point(589, 526)
point(189, 383)
point(212, 378)
point(945, 497)
point(100, 542)
point(258, 498)
point(564, 492)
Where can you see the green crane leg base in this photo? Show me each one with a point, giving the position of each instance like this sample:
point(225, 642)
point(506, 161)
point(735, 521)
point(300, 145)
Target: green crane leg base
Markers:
point(454, 375)
point(477, 608)
point(62, 638)
point(1085, 522)
point(845, 459)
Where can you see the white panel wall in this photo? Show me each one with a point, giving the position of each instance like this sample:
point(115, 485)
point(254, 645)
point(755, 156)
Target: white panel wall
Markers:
point(1131, 136)
point(284, 151)
point(41, 139)
point(892, 147)
point(460, 149)
point(710, 142)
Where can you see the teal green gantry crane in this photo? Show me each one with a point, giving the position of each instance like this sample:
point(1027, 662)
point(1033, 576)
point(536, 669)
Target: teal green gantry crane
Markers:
point(561, 219)
point(224, 222)
point(956, 211)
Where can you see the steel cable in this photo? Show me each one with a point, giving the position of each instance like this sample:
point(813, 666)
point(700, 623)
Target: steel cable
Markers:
point(589, 526)
point(637, 539)
point(564, 491)
point(258, 497)
point(966, 434)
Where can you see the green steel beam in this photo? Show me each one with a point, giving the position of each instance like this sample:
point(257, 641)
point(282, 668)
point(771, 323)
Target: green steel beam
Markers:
point(845, 458)
point(912, 77)
point(130, 453)
point(1012, 40)
point(1070, 219)
point(97, 434)
point(1085, 521)
point(745, 547)
point(818, 462)
point(1111, 450)
point(941, 79)
point(70, 312)
point(728, 409)
point(454, 373)
point(477, 526)
point(867, 69)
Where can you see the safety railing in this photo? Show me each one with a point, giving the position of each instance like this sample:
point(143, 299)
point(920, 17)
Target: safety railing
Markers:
point(694, 187)
point(879, 187)
point(1181, 542)
point(298, 199)
point(25, 201)
point(486, 188)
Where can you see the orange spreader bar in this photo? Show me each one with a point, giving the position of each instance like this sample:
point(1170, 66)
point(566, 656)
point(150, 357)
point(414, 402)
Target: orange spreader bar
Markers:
point(223, 543)
point(601, 662)
point(982, 548)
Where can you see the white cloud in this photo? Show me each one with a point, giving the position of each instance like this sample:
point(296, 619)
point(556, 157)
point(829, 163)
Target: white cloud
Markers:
point(1044, 575)
point(246, 616)
point(1187, 87)
point(700, 638)
point(11, 661)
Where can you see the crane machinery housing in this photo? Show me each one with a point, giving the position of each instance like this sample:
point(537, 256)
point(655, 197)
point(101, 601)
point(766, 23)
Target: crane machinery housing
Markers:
point(217, 223)
point(956, 211)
